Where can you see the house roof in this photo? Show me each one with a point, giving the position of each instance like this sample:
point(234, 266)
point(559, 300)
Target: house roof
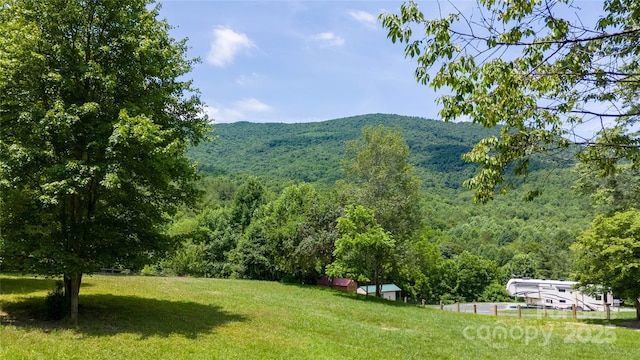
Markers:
point(341, 282)
point(336, 281)
point(371, 289)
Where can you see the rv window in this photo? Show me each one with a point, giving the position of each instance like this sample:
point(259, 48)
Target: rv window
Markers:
point(563, 301)
point(548, 301)
point(598, 297)
point(561, 290)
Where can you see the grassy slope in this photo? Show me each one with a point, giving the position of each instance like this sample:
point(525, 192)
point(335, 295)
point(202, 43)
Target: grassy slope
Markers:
point(177, 318)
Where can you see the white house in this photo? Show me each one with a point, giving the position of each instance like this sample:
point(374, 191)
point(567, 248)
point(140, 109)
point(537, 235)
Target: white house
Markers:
point(389, 291)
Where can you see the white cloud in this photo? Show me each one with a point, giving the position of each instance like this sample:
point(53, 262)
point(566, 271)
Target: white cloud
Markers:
point(226, 45)
point(251, 105)
point(328, 39)
point(250, 80)
point(241, 110)
point(364, 17)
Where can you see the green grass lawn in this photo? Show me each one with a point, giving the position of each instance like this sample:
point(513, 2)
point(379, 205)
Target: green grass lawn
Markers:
point(128, 317)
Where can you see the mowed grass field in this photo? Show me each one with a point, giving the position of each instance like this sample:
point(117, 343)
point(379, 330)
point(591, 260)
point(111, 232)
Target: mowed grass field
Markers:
point(131, 317)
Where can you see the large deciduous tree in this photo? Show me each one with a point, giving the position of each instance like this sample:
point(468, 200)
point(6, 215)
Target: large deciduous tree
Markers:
point(364, 250)
point(379, 177)
point(545, 72)
point(95, 116)
point(299, 227)
point(608, 254)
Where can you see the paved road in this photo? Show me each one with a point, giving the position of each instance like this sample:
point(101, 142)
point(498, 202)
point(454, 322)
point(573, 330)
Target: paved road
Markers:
point(488, 309)
point(483, 308)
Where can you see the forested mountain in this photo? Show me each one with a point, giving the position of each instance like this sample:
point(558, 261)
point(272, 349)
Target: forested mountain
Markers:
point(312, 152)
point(520, 237)
point(282, 154)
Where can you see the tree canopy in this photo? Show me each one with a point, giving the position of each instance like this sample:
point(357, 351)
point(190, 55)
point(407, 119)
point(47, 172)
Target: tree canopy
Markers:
point(364, 250)
point(378, 176)
point(609, 255)
point(95, 117)
point(545, 72)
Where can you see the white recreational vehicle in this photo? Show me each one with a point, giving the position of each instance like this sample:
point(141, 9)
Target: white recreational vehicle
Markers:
point(557, 294)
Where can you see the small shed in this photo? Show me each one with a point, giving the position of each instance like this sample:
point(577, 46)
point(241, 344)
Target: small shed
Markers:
point(339, 283)
point(389, 291)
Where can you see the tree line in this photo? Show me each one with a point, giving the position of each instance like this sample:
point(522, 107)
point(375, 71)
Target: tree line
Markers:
point(376, 225)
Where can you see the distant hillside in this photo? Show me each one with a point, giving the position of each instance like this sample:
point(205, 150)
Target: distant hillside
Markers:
point(312, 152)
point(280, 154)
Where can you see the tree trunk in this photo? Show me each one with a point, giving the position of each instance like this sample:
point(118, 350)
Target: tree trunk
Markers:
point(637, 304)
point(378, 285)
point(72, 290)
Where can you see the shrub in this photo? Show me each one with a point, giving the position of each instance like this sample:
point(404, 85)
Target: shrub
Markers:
point(151, 270)
point(495, 292)
point(57, 304)
point(188, 260)
point(448, 299)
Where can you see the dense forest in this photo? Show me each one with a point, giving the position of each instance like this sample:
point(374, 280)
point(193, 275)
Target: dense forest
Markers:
point(313, 152)
point(273, 194)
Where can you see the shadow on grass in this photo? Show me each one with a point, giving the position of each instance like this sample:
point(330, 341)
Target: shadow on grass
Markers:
point(26, 285)
point(106, 315)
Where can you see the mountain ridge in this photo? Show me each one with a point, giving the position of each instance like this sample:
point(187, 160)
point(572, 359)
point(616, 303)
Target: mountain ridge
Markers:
point(312, 152)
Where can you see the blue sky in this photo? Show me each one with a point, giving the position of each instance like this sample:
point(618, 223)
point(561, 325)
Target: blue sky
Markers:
point(306, 60)
point(297, 61)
